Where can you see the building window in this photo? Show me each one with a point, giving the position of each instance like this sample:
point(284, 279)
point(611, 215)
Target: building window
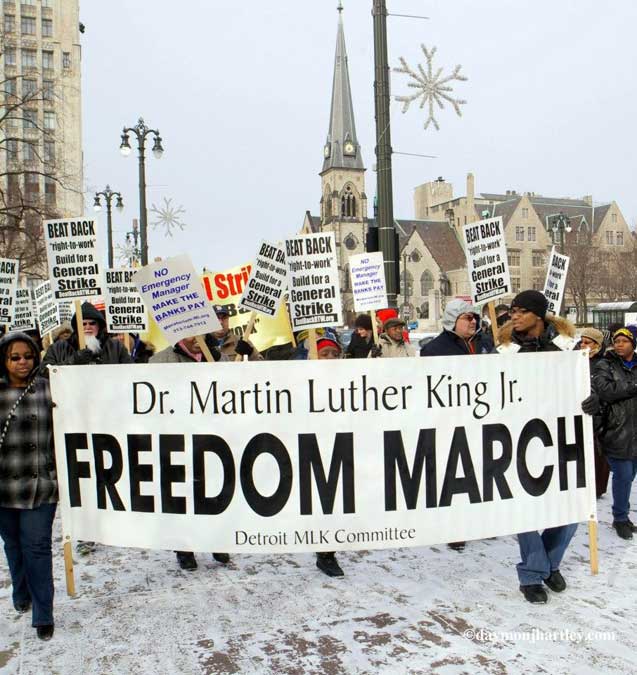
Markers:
point(27, 25)
point(348, 203)
point(47, 3)
point(9, 23)
point(519, 233)
point(49, 120)
point(415, 256)
point(610, 237)
point(31, 183)
point(29, 87)
point(49, 151)
point(47, 60)
point(47, 28)
point(12, 149)
point(28, 58)
point(28, 150)
point(515, 284)
point(27, 2)
point(9, 57)
point(10, 86)
point(47, 90)
point(525, 213)
point(537, 259)
point(66, 60)
point(620, 239)
point(514, 258)
point(49, 190)
point(613, 218)
point(350, 242)
point(530, 236)
point(410, 284)
point(29, 119)
point(426, 282)
point(538, 284)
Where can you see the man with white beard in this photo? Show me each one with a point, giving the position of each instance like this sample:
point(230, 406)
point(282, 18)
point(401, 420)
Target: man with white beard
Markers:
point(99, 349)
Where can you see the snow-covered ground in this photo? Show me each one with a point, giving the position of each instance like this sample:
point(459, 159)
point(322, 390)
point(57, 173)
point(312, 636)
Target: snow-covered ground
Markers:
point(421, 610)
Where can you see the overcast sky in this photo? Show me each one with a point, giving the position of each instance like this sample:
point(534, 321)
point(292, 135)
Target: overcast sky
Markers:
point(240, 91)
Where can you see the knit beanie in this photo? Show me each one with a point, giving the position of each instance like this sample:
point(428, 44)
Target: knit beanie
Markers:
point(533, 301)
point(593, 334)
point(624, 332)
point(363, 321)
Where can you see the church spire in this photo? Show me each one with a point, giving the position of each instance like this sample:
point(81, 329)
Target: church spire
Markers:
point(342, 150)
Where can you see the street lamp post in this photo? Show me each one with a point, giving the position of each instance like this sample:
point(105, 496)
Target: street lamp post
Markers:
point(134, 235)
point(406, 287)
point(108, 195)
point(561, 225)
point(141, 131)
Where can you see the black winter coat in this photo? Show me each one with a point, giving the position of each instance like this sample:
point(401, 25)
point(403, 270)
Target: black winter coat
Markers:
point(616, 386)
point(450, 344)
point(359, 347)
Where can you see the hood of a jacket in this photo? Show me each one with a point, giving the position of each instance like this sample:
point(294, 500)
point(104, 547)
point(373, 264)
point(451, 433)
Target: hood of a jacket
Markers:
point(453, 310)
point(7, 340)
point(553, 326)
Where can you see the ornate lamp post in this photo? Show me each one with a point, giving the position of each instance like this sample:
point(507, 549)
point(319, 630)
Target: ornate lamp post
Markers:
point(108, 195)
point(560, 225)
point(141, 131)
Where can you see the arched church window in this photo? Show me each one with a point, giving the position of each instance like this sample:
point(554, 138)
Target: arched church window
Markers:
point(424, 310)
point(348, 203)
point(426, 282)
point(410, 284)
point(415, 256)
point(350, 242)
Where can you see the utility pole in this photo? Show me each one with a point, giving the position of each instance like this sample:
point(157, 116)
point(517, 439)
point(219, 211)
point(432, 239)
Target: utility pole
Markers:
point(386, 230)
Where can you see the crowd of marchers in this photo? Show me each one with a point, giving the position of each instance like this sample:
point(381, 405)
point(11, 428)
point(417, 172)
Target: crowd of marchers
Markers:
point(28, 485)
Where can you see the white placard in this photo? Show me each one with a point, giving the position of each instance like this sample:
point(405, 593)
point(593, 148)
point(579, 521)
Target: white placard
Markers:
point(313, 283)
point(72, 253)
point(47, 308)
point(487, 262)
point(367, 274)
point(267, 282)
point(9, 270)
point(175, 298)
point(315, 455)
point(630, 319)
point(24, 315)
point(125, 310)
point(66, 311)
point(556, 280)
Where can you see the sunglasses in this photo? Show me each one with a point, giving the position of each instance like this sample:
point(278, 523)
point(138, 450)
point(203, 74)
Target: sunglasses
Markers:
point(16, 357)
point(89, 323)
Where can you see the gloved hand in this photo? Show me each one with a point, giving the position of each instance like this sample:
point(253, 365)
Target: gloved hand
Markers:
point(84, 357)
point(216, 354)
point(591, 405)
point(376, 351)
point(244, 348)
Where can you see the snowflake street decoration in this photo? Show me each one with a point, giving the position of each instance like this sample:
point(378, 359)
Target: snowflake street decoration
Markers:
point(432, 87)
point(127, 252)
point(168, 217)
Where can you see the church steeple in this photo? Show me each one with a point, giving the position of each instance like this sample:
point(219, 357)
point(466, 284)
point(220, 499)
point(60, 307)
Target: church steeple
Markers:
point(342, 150)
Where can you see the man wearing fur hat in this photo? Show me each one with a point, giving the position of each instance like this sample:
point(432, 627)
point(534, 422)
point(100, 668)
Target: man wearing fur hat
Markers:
point(461, 333)
point(531, 330)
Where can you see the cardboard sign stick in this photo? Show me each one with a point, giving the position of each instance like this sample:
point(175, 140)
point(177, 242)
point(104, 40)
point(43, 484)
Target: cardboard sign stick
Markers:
point(592, 545)
point(247, 331)
point(127, 342)
point(372, 314)
point(46, 342)
point(311, 338)
point(79, 324)
point(204, 348)
point(68, 568)
point(494, 323)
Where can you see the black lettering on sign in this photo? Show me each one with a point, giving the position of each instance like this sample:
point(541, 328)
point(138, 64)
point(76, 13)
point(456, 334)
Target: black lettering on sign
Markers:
point(493, 470)
point(534, 486)
point(452, 484)
point(573, 452)
point(139, 473)
point(76, 469)
point(105, 479)
point(202, 444)
point(171, 473)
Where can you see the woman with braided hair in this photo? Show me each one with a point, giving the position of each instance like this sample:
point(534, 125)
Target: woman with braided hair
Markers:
point(28, 482)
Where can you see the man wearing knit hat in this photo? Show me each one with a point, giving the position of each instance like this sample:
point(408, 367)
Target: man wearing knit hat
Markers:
point(461, 333)
point(392, 343)
point(532, 330)
point(615, 380)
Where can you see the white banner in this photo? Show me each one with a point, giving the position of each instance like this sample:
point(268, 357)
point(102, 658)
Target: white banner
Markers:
point(125, 311)
point(71, 250)
point(24, 315)
point(487, 261)
point(556, 280)
point(367, 273)
point(315, 294)
point(175, 298)
point(315, 455)
point(8, 286)
point(47, 308)
point(267, 282)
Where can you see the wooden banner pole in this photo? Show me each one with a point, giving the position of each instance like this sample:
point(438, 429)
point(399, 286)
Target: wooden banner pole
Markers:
point(68, 567)
point(201, 341)
point(592, 544)
point(494, 323)
point(79, 324)
point(312, 349)
point(372, 314)
point(247, 331)
point(127, 343)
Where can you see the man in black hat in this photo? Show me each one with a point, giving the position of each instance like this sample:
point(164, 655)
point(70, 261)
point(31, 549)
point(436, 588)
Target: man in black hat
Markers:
point(532, 330)
point(228, 343)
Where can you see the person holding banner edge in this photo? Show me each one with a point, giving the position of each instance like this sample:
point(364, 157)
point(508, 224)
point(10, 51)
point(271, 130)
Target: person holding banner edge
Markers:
point(530, 330)
point(28, 480)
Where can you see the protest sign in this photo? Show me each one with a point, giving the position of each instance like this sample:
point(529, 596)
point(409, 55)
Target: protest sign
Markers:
point(47, 308)
point(367, 274)
point(487, 262)
point(71, 249)
point(313, 455)
point(24, 315)
point(8, 285)
point(125, 311)
point(173, 295)
point(556, 280)
point(225, 288)
point(267, 283)
point(314, 288)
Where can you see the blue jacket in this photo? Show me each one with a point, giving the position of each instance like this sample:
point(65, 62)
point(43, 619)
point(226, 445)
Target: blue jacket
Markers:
point(450, 344)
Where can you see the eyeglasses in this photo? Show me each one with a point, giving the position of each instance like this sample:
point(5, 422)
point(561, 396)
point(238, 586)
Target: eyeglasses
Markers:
point(518, 310)
point(17, 357)
point(468, 317)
